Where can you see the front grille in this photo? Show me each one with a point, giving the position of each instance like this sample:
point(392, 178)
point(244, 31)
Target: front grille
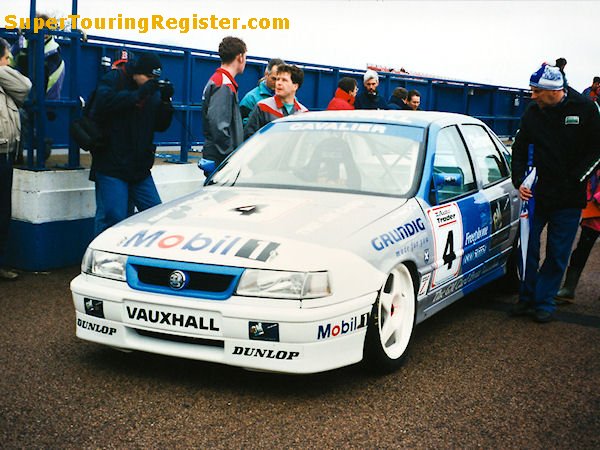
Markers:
point(199, 281)
point(180, 339)
point(203, 280)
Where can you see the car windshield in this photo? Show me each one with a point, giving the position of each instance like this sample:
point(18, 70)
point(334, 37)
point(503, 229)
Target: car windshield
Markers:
point(329, 156)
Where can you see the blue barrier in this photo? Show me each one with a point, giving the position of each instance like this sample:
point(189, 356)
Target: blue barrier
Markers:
point(189, 69)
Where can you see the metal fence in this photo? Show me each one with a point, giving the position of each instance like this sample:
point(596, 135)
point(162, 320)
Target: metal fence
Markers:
point(189, 69)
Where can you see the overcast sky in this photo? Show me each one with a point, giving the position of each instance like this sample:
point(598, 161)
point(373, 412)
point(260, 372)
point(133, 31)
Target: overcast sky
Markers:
point(496, 42)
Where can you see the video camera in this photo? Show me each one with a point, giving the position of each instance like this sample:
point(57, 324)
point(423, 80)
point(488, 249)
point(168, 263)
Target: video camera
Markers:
point(166, 89)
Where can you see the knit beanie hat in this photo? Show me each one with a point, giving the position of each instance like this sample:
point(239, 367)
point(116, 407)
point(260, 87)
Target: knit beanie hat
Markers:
point(369, 74)
point(148, 64)
point(547, 77)
point(122, 55)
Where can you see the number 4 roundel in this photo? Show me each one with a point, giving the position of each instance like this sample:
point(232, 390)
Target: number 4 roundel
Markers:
point(446, 222)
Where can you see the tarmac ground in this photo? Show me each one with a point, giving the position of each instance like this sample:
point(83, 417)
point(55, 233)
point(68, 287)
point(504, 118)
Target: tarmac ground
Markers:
point(475, 378)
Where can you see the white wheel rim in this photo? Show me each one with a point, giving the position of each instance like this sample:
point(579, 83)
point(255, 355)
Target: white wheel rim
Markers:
point(396, 313)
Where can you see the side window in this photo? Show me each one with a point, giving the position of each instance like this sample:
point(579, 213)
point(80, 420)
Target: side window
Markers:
point(452, 171)
point(490, 164)
point(504, 150)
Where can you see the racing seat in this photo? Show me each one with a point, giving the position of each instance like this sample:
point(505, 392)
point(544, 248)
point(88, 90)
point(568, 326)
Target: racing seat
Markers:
point(332, 163)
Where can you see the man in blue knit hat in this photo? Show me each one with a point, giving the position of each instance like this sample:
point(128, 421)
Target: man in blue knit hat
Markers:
point(560, 134)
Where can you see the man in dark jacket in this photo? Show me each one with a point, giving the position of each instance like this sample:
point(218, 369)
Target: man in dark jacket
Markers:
point(370, 98)
point(398, 99)
point(560, 135)
point(130, 105)
point(221, 117)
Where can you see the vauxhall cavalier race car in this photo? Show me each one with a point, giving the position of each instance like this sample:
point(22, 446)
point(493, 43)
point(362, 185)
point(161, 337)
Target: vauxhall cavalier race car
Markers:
point(319, 243)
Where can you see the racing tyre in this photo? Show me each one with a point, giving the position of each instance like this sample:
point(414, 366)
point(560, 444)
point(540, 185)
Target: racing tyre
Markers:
point(392, 322)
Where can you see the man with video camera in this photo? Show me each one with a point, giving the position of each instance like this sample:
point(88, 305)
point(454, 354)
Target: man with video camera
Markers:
point(130, 104)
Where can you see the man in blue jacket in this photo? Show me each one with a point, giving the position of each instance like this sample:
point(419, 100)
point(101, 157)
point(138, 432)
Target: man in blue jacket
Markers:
point(370, 98)
point(130, 105)
point(265, 89)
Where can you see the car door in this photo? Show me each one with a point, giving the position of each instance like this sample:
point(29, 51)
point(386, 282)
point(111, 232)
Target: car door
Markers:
point(459, 216)
point(494, 181)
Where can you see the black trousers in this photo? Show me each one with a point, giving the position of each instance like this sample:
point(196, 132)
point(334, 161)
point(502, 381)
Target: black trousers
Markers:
point(586, 242)
point(6, 178)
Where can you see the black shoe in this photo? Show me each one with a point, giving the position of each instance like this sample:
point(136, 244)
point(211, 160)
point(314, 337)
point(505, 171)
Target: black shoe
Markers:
point(543, 316)
point(562, 301)
point(566, 294)
point(521, 309)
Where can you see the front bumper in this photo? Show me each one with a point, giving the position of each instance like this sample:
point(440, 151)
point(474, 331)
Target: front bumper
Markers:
point(308, 340)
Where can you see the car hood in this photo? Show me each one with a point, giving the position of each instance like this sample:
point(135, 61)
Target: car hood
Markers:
point(202, 220)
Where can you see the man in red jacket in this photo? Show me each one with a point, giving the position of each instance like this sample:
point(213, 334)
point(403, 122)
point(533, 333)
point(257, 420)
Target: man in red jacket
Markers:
point(283, 103)
point(344, 95)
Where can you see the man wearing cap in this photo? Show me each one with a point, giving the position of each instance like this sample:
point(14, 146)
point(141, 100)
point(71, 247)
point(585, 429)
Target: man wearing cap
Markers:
point(129, 106)
point(560, 134)
point(370, 98)
point(221, 117)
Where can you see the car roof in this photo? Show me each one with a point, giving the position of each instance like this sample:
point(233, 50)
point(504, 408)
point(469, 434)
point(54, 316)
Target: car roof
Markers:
point(422, 119)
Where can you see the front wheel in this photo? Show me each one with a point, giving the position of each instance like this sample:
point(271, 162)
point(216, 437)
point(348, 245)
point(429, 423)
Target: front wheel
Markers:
point(392, 322)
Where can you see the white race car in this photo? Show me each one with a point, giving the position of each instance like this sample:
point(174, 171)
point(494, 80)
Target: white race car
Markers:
point(319, 243)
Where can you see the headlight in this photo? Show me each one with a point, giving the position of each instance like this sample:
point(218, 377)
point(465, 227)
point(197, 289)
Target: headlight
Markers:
point(276, 284)
point(104, 264)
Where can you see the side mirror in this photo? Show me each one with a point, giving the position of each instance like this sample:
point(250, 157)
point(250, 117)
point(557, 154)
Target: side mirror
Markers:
point(208, 166)
point(442, 179)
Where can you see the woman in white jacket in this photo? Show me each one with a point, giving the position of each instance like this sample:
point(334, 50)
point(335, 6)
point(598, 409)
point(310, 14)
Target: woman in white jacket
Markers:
point(14, 88)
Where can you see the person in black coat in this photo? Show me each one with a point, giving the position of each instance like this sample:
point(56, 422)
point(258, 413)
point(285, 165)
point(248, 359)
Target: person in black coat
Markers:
point(130, 105)
point(559, 135)
point(398, 99)
point(370, 98)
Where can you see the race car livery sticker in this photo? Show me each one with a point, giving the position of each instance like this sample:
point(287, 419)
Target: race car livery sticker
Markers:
point(477, 235)
point(424, 284)
point(476, 255)
point(173, 318)
point(338, 126)
point(457, 285)
point(91, 326)
point(446, 222)
point(398, 234)
point(339, 328)
point(251, 208)
point(267, 353)
point(500, 215)
point(255, 249)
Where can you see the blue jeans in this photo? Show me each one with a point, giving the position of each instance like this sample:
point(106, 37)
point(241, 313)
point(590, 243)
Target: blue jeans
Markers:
point(6, 177)
point(542, 283)
point(116, 195)
point(100, 223)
